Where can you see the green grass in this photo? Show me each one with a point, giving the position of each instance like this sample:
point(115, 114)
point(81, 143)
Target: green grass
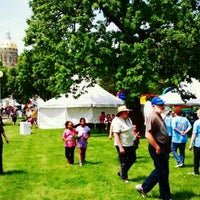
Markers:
point(35, 168)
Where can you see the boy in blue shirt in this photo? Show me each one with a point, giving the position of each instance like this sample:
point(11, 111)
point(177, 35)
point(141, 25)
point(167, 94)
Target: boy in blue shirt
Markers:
point(181, 126)
point(195, 144)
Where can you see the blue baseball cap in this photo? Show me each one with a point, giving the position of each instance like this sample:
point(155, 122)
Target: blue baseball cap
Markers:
point(157, 101)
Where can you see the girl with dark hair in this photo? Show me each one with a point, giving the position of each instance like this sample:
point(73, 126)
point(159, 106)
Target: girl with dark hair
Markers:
point(69, 136)
point(83, 135)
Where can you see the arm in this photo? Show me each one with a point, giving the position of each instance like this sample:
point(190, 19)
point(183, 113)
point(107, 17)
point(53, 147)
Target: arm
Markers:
point(153, 142)
point(110, 132)
point(192, 140)
point(188, 129)
point(119, 144)
point(5, 136)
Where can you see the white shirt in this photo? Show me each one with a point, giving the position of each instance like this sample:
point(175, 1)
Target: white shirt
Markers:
point(125, 130)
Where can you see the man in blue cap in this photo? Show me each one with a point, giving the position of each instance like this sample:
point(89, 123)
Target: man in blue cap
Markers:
point(157, 137)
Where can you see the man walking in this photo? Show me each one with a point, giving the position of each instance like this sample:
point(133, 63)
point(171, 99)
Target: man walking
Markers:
point(157, 137)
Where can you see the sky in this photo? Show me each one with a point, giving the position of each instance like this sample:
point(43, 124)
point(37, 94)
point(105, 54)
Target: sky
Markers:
point(13, 16)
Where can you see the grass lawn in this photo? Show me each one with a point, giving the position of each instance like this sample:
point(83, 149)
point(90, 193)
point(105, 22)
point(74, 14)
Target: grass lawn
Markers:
point(35, 168)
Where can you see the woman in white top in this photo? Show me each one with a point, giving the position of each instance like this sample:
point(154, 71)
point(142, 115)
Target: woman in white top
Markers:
point(122, 129)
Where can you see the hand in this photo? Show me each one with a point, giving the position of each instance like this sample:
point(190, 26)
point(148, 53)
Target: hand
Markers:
point(122, 151)
point(190, 148)
point(158, 150)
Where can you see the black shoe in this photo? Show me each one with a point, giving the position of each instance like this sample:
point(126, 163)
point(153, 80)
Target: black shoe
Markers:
point(119, 174)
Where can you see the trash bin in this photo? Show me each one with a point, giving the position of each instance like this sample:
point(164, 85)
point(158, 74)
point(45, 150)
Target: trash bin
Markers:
point(25, 128)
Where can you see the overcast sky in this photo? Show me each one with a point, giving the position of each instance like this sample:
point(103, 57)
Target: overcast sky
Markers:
point(13, 16)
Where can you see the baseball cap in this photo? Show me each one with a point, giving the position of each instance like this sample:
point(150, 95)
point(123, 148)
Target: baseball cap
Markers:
point(157, 101)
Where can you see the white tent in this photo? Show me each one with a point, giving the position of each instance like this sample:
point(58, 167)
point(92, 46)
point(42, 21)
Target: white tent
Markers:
point(173, 98)
point(55, 112)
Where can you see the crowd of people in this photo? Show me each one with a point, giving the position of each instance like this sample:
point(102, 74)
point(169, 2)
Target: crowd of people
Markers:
point(28, 114)
point(166, 132)
point(105, 121)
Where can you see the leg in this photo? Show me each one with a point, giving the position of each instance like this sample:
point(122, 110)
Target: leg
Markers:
point(1, 152)
point(182, 152)
point(152, 179)
point(122, 160)
point(67, 154)
point(84, 153)
point(196, 159)
point(174, 152)
point(71, 155)
point(131, 157)
point(80, 154)
point(160, 174)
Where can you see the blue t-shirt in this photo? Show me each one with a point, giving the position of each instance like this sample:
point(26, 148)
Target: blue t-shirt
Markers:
point(196, 130)
point(168, 124)
point(182, 124)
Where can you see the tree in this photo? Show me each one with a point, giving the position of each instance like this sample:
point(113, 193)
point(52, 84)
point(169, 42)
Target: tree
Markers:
point(154, 45)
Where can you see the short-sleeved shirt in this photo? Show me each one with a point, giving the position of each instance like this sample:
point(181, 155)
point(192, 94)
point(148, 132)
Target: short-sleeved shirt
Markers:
point(168, 124)
point(182, 124)
point(124, 128)
point(156, 126)
point(83, 133)
point(69, 135)
point(196, 130)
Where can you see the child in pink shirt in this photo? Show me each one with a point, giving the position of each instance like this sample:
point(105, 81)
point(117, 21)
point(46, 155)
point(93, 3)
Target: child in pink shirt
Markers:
point(69, 136)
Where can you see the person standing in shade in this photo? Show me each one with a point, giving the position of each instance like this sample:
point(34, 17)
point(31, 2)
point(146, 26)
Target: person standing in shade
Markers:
point(195, 144)
point(157, 137)
point(180, 126)
point(122, 129)
point(102, 118)
point(2, 132)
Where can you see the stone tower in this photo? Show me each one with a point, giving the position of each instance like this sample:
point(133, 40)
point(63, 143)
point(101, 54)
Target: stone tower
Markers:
point(8, 51)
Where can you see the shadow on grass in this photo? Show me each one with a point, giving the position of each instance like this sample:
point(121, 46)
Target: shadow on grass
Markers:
point(14, 172)
point(185, 195)
point(99, 134)
point(139, 179)
point(93, 162)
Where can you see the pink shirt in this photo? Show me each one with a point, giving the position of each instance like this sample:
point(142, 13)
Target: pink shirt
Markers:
point(69, 135)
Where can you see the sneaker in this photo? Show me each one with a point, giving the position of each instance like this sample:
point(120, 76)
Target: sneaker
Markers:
point(80, 164)
point(119, 174)
point(140, 190)
point(126, 180)
point(192, 173)
point(179, 165)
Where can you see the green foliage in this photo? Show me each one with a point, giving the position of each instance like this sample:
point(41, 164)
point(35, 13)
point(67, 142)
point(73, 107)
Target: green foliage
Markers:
point(35, 168)
point(154, 44)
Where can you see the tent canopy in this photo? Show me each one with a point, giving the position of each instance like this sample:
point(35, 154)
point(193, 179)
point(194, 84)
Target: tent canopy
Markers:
point(174, 98)
point(55, 112)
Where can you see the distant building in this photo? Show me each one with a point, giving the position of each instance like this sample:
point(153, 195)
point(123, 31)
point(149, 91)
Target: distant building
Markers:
point(8, 51)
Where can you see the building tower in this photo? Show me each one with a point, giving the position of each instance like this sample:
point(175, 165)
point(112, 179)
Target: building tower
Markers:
point(8, 51)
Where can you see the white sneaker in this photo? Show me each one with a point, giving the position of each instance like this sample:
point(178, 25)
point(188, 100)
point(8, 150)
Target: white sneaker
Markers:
point(192, 173)
point(140, 190)
point(179, 165)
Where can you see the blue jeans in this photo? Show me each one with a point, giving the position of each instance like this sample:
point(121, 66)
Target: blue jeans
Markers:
point(160, 174)
point(179, 158)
